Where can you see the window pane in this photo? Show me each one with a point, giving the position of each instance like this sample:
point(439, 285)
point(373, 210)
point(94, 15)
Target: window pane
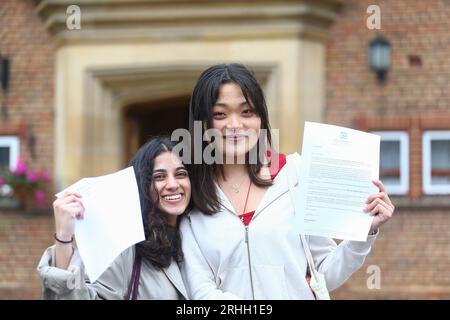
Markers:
point(440, 162)
point(4, 158)
point(390, 162)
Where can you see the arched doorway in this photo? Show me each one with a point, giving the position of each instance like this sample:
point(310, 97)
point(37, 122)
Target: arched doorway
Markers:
point(122, 107)
point(148, 119)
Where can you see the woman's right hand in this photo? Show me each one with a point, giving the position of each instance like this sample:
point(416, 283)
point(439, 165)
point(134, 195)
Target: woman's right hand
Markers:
point(67, 208)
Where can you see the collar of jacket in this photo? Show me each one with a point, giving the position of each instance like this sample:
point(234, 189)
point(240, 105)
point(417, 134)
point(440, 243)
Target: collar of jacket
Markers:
point(173, 274)
point(279, 187)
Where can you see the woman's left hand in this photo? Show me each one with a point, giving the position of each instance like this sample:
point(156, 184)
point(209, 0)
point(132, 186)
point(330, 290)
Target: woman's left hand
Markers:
point(380, 206)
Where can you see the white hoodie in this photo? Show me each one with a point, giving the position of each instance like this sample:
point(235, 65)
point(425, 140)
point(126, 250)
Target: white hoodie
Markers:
point(224, 259)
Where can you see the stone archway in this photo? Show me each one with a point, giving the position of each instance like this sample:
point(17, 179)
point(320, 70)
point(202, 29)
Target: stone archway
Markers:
point(110, 93)
point(145, 51)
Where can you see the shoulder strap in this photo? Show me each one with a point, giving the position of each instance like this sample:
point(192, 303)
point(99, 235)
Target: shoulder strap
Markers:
point(309, 258)
point(135, 276)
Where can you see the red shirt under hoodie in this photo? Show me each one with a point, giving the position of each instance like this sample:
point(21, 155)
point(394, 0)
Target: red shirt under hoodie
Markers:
point(273, 169)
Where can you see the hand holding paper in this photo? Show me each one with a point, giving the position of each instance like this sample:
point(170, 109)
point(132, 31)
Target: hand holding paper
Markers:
point(380, 206)
point(112, 219)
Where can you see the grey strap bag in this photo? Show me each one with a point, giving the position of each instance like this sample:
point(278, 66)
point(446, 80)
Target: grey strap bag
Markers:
point(317, 284)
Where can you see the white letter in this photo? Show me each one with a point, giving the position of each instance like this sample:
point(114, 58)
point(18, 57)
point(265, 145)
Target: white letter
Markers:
point(198, 142)
point(214, 137)
point(74, 281)
point(374, 281)
point(183, 147)
point(374, 21)
point(73, 20)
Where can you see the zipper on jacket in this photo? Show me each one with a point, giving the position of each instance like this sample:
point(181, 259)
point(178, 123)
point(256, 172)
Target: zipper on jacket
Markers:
point(248, 250)
point(249, 262)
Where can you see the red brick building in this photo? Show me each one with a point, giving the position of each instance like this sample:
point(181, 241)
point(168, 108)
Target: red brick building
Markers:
point(25, 41)
point(411, 108)
point(414, 247)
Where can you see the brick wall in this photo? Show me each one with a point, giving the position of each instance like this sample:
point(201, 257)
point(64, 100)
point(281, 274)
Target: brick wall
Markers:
point(24, 39)
point(413, 250)
point(412, 253)
point(414, 28)
point(23, 238)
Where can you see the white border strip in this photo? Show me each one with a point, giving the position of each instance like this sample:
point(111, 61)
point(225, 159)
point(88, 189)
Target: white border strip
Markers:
point(403, 137)
point(428, 187)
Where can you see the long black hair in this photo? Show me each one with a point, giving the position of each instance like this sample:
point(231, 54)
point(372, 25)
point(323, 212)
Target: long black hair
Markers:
point(162, 241)
point(204, 97)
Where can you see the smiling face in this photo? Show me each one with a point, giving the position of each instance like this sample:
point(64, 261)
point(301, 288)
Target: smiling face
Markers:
point(171, 188)
point(236, 120)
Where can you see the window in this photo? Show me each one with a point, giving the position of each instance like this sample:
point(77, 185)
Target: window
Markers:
point(9, 152)
point(394, 161)
point(436, 162)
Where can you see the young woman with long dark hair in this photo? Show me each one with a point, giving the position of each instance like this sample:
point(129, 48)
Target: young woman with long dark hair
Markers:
point(238, 241)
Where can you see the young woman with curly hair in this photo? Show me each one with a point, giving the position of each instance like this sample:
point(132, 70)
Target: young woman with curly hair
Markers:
point(147, 270)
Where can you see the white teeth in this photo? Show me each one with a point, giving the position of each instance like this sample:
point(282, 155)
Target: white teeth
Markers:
point(173, 197)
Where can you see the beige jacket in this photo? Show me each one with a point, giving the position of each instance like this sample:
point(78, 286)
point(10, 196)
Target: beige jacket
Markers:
point(112, 284)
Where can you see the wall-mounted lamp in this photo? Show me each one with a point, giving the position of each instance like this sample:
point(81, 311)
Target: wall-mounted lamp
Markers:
point(5, 64)
point(380, 57)
point(32, 140)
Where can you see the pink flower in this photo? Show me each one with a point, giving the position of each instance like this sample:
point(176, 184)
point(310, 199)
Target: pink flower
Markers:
point(46, 176)
point(32, 176)
point(2, 181)
point(20, 167)
point(39, 196)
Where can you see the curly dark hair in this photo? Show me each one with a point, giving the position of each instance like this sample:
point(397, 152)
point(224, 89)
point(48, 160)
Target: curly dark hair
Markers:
point(162, 241)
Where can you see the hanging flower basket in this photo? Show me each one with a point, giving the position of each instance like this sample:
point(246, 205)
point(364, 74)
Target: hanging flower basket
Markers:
point(22, 196)
point(27, 185)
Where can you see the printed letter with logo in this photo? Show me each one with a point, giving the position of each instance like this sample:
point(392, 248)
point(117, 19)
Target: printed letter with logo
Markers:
point(336, 170)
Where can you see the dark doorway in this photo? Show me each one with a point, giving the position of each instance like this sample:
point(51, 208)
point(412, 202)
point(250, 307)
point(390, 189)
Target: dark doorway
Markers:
point(146, 120)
